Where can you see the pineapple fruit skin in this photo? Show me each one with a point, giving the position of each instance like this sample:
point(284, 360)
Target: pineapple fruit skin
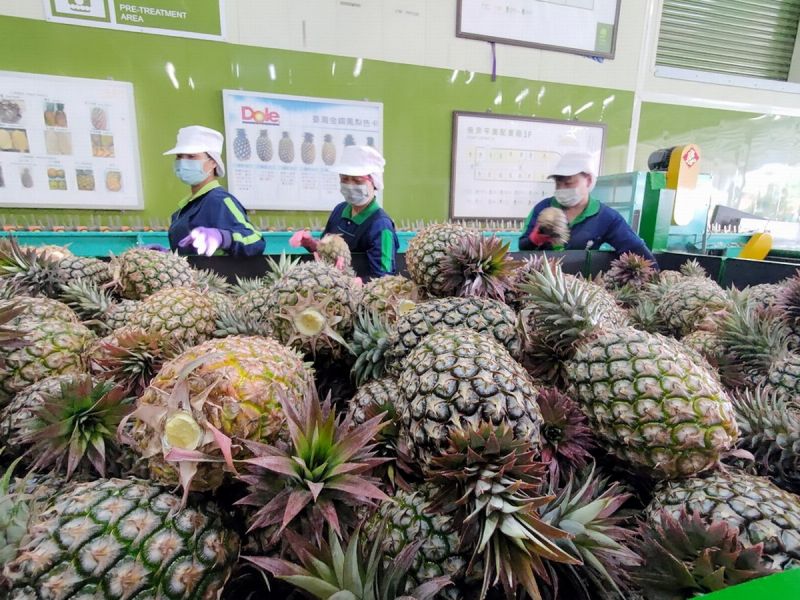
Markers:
point(41, 308)
point(763, 512)
point(651, 404)
point(426, 251)
point(308, 151)
point(141, 272)
point(458, 378)
point(247, 374)
point(689, 301)
point(390, 296)
point(184, 314)
point(55, 347)
point(115, 538)
point(332, 247)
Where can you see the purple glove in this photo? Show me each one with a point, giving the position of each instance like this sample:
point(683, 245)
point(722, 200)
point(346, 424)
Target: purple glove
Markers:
point(158, 247)
point(206, 240)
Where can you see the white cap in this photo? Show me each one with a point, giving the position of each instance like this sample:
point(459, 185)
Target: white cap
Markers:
point(573, 163)
point(361, 160)
point(195, 139)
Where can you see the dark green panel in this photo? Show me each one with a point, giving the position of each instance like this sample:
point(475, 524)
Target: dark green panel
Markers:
point(418, 103)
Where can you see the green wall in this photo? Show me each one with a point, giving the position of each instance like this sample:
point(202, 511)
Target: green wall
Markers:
point(418, 105)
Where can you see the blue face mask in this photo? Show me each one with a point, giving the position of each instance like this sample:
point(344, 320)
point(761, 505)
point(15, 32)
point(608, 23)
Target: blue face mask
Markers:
point(190, 171)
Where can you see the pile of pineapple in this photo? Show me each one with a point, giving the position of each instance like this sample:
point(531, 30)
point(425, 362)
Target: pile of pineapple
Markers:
point(484, 428)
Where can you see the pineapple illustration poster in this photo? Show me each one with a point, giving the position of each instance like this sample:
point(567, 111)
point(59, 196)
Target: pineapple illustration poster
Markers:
point(500, 163)
point(279, 149)
point(67, 142)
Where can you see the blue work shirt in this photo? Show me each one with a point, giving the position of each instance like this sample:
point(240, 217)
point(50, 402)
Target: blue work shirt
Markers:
point(596, 225)
point(371, 231)
point(213, 206)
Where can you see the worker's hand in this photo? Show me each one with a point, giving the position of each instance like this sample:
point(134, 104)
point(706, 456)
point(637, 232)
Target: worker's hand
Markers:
point(305, 239)
point(206, 240)
point(157, 247)
point(539, 239)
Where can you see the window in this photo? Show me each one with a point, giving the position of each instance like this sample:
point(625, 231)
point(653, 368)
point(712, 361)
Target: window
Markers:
point(750, 38)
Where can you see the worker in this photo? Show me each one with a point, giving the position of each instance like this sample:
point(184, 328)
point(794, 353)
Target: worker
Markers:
point(209, 221)
point(360, 220)
point(591, 223)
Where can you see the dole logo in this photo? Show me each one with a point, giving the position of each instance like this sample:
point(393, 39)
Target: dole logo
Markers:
point(253, 115)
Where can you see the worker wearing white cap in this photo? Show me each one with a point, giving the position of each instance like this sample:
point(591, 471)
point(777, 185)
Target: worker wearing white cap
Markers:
point(591, 223)
point(361, 222)
point(209, 221)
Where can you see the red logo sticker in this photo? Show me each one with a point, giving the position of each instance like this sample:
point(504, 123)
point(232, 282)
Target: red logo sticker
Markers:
point(690, 157)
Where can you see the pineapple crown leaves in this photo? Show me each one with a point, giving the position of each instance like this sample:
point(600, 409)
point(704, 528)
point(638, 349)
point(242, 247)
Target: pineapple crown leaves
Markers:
point(692, 268)
point(683, 556)
point(755, 341)
point(486, 478)
point(210, 281)
point(629, 269)
point(322, 474)
point(589, 509)
point(245, 285)
point(91, 301)
point(329, 571)
point(231, 321)
point(277, 269)
point(132, 356)
point(788, 301)
point(566, 436)
point(477, 266)
point(77, 425)
point(564, 309)
point(34, 273)
point(11, 337)
point(372, 336)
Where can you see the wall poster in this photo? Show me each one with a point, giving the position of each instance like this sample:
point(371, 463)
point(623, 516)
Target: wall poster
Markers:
point(67, 142)
point(203, 19)
point(500, 163)
point(279, 148)
point(578, 26)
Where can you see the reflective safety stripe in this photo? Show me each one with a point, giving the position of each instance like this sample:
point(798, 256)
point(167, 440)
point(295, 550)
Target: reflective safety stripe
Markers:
point(387, 250)
point(237, 214)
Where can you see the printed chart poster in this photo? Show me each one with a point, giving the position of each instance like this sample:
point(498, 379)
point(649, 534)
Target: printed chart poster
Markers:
point(280, 149)
point(68, 143)
point(500, 163)
point(202, 19)
point(577, 26)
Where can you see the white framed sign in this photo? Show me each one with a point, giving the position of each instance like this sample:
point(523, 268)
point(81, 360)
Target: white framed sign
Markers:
point(279, 149)
point(578, 26)
point(68, 142)
point(500, 163)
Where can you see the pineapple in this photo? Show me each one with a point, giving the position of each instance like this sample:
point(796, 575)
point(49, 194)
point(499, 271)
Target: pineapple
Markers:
point(692, 303)
point(310, 309)
point(210, 393)
point(765, 297)
point(307, 150)
point(30, 271)
point(405, 521)
point(264, 146)
point(629, 269)
point(333, 250)
point(328, 150)
point(705, 343)
point(55, 347)
point(383, 348)
point(762, 512)
point(390, 297)
point(477, 266)
point(113, 538)
point(320, 478)
point(71, 427)
point(81, 267)
point(458, 378)
point(140, 272)
point(647, 400)
point(566, 436)
point(682, 556)
point(97, 306)
point(241, 146)
point(183, 314)
point(44, 308)
point(332, 572)
point(515, 296)
point(787, 303)
point(425, 254)
point(553, 223)
point(286, 148)
point(770, 430)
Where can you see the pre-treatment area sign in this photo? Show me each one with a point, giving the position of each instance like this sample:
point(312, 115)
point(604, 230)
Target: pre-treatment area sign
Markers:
point(186, 18)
